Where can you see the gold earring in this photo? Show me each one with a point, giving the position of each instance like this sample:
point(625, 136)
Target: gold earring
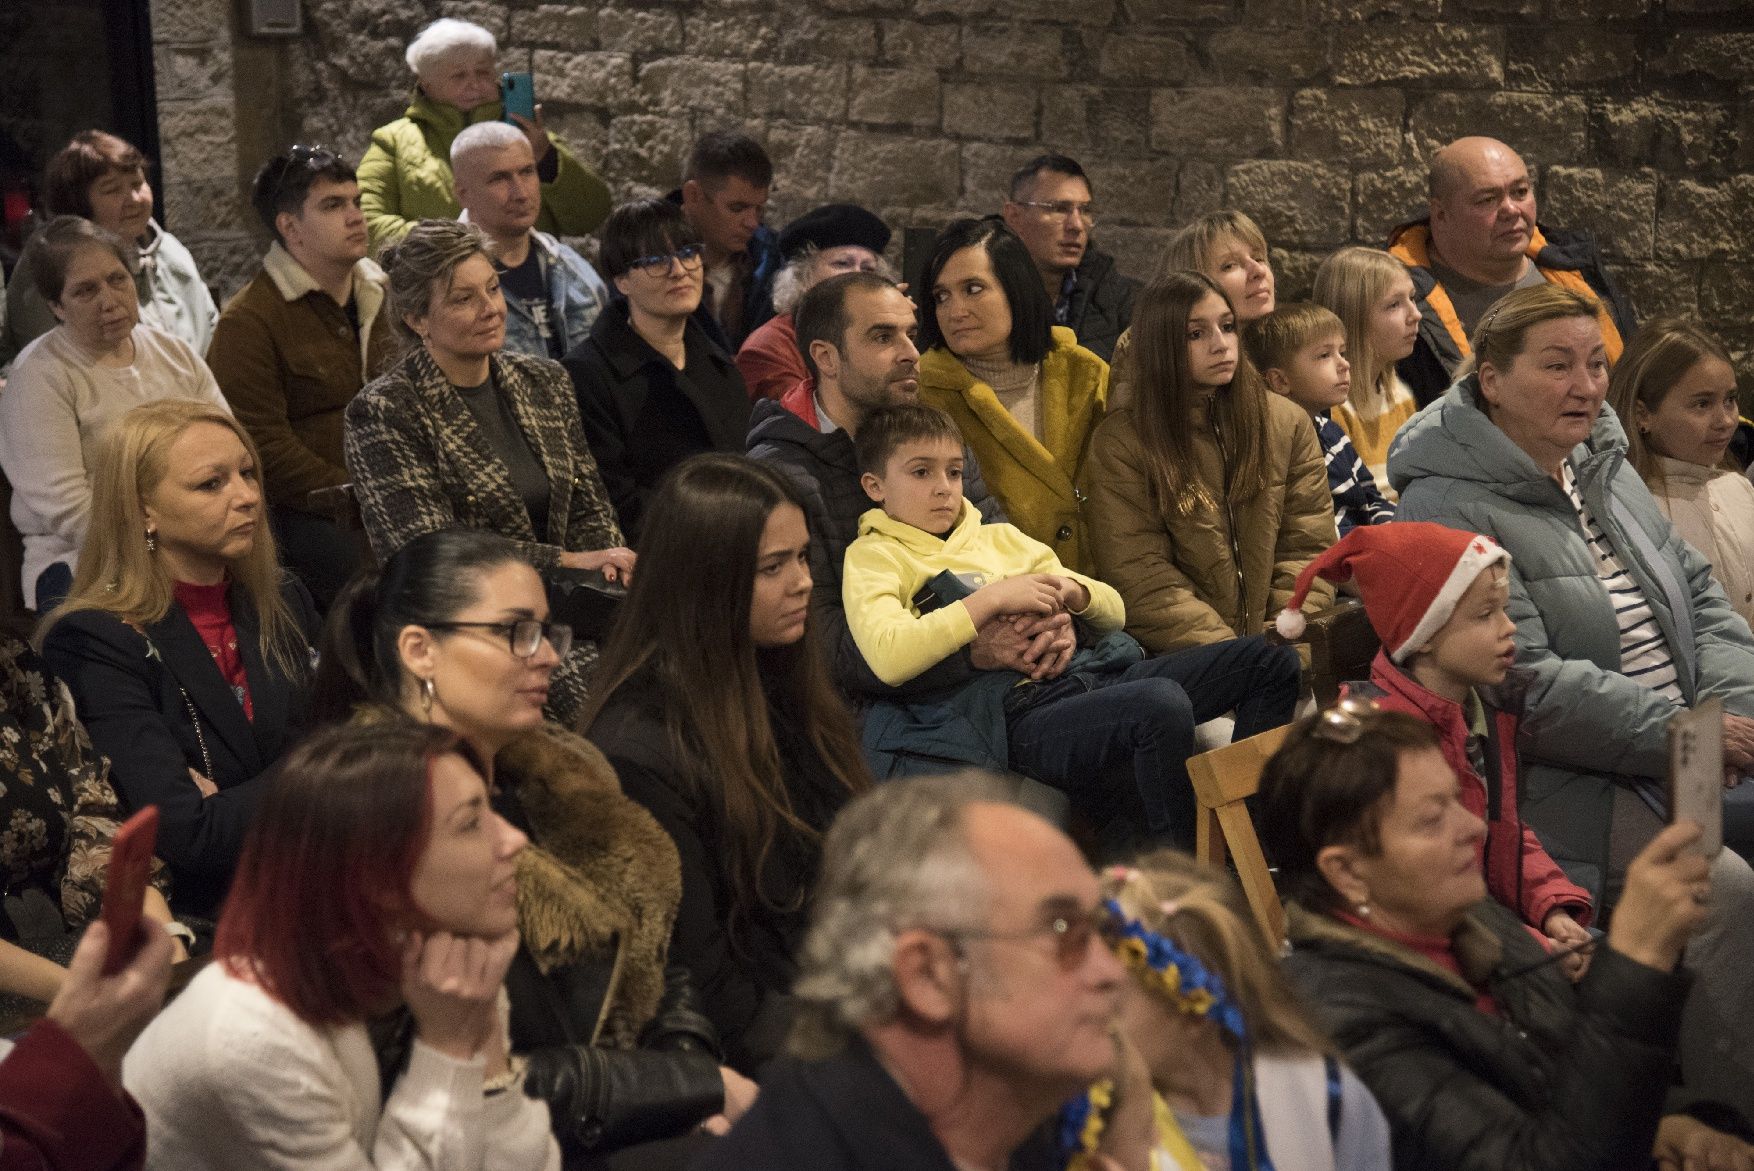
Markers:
point(426, 697)
point(151, 541)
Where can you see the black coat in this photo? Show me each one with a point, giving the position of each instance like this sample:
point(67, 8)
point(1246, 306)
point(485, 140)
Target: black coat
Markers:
point(642, 415)
point(826, 473)
point(1563, 1079)
point(1100, 306)
point(140, 695)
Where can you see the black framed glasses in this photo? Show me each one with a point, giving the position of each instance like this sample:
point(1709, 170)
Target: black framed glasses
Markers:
point(523, 637)
point(658, 264)
point(1070, 933)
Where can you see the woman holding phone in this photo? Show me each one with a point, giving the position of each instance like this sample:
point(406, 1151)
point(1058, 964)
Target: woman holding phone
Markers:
point(376, 850)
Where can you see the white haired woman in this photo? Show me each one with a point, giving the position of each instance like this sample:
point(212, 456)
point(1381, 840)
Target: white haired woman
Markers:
point(406, 174)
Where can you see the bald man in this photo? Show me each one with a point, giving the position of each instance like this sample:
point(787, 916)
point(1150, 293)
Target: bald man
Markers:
point(1480, 241)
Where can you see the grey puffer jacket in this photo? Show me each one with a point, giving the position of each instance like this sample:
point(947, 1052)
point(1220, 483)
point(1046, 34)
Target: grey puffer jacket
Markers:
point(1585, 725)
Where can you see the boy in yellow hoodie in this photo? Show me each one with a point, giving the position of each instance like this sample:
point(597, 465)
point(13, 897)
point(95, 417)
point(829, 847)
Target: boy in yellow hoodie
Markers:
point(1109, 727)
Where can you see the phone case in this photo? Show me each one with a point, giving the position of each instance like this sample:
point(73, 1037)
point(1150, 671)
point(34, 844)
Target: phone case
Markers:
point(125, 886)
point(1696, 772)
point(518, 92)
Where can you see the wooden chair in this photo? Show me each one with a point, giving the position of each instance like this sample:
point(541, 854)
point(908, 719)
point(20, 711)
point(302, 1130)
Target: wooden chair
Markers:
point(1342, 644)
point(1224, 779)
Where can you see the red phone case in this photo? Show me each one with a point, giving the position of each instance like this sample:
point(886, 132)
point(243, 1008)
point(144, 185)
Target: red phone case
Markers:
point(125, 886)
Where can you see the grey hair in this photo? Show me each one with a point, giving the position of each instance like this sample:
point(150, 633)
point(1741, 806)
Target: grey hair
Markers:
point(444, 37)
point(427, 255)
point(896, 858)
point(60, 241)
point(484, 136)
point(792, 281)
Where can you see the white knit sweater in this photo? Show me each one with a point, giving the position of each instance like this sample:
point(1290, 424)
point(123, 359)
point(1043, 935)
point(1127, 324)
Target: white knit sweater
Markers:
point(230, 1078)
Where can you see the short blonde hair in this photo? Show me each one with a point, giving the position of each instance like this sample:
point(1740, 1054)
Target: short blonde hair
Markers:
point(1193, 246)
point(444, 37)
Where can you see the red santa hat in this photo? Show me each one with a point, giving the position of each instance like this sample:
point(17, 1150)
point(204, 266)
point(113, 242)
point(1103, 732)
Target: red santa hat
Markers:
point(1410, 574)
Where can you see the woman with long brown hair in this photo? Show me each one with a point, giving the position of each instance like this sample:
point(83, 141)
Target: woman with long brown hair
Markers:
point(1207, 493)
point(718, 713)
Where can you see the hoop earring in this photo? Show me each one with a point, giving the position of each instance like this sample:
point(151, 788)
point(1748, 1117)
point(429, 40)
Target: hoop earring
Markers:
point(426, 697)
point(151, 541)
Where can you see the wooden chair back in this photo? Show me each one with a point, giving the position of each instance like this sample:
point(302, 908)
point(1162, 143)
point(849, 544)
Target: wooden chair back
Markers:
point(1342, 644)
point(1224, 779)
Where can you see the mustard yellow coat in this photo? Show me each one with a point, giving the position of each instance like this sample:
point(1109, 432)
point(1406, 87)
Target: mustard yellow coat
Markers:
point(1034, 479)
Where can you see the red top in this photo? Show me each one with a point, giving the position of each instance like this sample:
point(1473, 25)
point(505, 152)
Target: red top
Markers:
point(57, 1109)
point(1436, 948)
point(209, 608)
point(769, 359)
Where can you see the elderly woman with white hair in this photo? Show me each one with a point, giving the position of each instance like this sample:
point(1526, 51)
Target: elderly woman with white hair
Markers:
point(406, 174)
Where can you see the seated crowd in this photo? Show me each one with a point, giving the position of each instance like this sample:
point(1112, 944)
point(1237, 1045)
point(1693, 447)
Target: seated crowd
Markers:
point(718, 706)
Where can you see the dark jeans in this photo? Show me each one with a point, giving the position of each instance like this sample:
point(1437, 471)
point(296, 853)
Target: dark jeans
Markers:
point(1118, 745)
point(316, 550)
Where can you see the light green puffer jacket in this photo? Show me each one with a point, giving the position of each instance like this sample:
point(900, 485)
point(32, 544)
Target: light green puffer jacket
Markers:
point(405, 176)
point(1585, 726)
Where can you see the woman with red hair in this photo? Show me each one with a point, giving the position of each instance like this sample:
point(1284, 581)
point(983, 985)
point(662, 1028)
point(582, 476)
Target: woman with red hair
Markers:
point(376, 879)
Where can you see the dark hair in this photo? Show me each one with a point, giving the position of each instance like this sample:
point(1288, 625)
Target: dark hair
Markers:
point(63, 238)
point(719, 155)
point(87, 157)
point(885, 429)
point(821, 316)
point(432, 578)
point(1058, 164)
point(1165, 397)
point(1657, 357)
point(684, 628)
point(1032, 314)
point(327, 869)
point(1273, 341)
point(642, 227)
point(284, 181)
point(1318, 792)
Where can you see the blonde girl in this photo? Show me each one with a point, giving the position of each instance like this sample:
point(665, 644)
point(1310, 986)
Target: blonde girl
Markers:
point(1372, 294)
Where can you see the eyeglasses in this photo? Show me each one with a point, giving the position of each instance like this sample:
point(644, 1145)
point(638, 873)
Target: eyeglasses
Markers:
point(314, 158)
point(1071, 934)
point(523, 637)
point(1343, 722)
point(687, 256)
point(1061, 209)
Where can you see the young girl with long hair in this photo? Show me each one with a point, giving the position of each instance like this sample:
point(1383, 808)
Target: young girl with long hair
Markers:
point(1207, 493)
point(719, 715)
point(1372, 294)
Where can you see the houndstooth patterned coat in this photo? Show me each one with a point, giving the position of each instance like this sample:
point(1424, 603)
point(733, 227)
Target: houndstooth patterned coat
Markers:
point(420, 462)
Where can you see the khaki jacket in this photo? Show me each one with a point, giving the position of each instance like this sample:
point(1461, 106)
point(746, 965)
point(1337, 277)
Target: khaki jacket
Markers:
point(1033, 478)
point(1191, 580)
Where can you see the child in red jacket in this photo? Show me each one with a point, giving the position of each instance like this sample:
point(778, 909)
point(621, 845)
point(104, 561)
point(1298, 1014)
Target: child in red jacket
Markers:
point(1436, 597)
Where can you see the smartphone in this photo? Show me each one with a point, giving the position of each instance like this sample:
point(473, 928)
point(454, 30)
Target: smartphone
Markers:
point(518, 92)
point(1696, 772)
point(125, 886)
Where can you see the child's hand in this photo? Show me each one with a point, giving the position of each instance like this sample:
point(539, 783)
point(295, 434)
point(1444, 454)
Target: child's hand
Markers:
point(1034, 593)
point(1566, 932)
point(1074, 598)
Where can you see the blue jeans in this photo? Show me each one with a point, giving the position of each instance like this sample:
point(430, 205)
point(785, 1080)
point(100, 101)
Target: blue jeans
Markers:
point(1118, 745)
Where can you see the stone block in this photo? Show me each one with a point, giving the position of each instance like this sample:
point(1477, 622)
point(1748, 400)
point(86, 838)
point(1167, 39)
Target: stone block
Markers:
point(865, 6)
point(585, 132)
point(189, 21)
point(1138, 192)
point(1543, 128)
point(813, 38)
point(1596, 10)
point(563, 25)
point(1036, 51)
point(226, 260)
point(962, 9)
point(627, 30)
point(894, 97)
point(1152, 60)
point(489, 14)
point(585, 79)
point(1222, 122)
point(1349, 11)
point(1383, 200)
point(1706, 6)
point(209, 206)
point(1745, 139)
point(1658, 290)
point(1066, 112)
point(986, 175)
point(1094, 13)
point(1658, 132)
point(1722, 56)
point(1263, 12)
point(803, 92)
point(895, 171)
point(990, 111)
point(692, 83)
point(1726, 296)
point(801, 156)
point(1498, 9)
point(1285, 56)
point(1120, 121)
point(1361, 127)
point(1295, 203)
point(1137, 250)
point(648, 149)
point(1570, 57)
point(1199, 189)
point(751, 37)
point(1417, 54)
point(908, 44)
point(191, 72)
point(1705, 220)
point(1620, 207)
point(197, 141)
point(1294, 271)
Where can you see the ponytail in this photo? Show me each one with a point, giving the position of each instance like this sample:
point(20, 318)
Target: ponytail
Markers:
point(348, 673)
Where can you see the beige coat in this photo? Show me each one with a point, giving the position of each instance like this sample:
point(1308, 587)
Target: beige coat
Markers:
point(1190, 580)
point(1713, 510)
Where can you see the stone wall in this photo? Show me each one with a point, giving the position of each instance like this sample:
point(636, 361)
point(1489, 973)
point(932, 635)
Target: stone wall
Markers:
point(1312, 115)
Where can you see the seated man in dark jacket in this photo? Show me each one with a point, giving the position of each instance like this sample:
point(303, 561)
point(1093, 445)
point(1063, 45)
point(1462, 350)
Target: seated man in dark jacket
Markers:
point(950, 998)
point(856, 334)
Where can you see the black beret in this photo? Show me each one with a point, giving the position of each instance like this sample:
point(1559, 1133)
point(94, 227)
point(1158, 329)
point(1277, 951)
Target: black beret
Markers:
point(834, 225)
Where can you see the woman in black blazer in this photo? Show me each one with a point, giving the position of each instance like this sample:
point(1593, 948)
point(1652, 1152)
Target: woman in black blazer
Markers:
point(186, 649)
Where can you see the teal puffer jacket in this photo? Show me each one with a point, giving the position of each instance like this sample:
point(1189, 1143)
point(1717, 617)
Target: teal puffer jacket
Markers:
point(1585, 725)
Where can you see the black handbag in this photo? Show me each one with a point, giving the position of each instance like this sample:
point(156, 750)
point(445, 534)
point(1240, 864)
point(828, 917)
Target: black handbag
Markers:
point(584, 600)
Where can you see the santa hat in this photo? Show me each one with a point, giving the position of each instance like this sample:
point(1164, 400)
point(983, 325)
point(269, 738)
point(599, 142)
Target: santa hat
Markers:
point(1411, 574)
